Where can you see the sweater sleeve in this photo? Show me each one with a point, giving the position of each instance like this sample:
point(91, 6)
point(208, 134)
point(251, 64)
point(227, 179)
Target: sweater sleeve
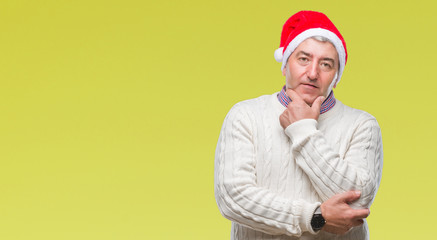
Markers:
point(360, 168)
point(238, 196)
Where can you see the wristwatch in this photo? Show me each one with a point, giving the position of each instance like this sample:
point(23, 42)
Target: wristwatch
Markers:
point(317, 222)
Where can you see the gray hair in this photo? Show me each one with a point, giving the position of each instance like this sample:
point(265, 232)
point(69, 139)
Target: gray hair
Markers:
point(321, 39)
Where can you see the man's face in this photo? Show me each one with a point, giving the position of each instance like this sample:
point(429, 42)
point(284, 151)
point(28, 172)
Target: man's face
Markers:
point(311, 69)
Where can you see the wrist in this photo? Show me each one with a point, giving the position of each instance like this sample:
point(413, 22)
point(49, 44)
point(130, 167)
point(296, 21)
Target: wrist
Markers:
point(317, 221)
point(298, 131)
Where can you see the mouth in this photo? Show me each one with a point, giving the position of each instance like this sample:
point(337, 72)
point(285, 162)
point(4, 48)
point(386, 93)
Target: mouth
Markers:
point(309, 85)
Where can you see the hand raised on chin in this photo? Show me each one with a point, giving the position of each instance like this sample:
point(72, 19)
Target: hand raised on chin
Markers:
point(298, 109)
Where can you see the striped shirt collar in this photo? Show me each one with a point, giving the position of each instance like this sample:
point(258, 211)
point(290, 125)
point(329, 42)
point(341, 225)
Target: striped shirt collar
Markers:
point(326, 105)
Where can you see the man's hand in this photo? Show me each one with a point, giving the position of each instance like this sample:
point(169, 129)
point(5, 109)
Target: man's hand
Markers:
point(339, 216)
point(298, 109)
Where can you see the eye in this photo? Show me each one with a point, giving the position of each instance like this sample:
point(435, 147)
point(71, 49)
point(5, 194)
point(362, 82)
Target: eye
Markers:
point(303, 59)
point(326, 65)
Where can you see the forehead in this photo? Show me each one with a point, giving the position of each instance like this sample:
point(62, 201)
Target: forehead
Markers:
point(316, 48)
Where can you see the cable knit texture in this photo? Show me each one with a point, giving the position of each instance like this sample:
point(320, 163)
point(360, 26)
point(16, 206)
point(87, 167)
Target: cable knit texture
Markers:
point(269, 181)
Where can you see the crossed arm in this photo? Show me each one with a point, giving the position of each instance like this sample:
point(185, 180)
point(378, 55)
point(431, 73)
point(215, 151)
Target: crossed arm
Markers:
point(359, 170)
point(238, 195)
point(240, 199)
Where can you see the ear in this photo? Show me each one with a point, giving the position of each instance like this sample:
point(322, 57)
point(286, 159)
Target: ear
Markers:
point(335, 84)
point(283, 71)
point(335, 79)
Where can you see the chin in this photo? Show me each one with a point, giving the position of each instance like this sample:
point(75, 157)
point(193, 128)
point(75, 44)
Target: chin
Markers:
point(309, 101)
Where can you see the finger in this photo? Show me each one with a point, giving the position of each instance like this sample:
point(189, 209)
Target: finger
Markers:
point(357, 222)
point(317, 104)
point(349, 196)
point(283, 119)
point(361, 213)
point(294, 95)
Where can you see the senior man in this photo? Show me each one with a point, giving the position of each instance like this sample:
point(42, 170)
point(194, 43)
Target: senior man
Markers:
point(299, 164)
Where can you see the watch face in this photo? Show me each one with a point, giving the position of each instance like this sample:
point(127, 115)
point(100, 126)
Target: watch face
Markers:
point(317, 222)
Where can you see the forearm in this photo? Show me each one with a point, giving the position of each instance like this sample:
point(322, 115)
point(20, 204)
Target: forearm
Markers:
point(238, 195)
point(262, 209)
point(359, 169)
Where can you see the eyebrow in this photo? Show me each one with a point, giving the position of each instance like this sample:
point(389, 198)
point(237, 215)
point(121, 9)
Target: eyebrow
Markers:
point(310, 55)
point(304, 53)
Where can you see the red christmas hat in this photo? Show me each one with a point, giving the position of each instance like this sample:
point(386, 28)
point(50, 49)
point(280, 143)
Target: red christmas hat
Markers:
point(306, 24)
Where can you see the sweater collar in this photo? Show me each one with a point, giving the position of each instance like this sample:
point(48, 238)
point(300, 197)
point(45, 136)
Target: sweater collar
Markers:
point(326, 105)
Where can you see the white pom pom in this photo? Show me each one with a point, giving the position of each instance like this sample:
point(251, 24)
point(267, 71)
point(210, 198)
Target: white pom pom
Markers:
point(278, 54)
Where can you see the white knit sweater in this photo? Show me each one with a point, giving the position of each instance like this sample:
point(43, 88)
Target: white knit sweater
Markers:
point(269, 182)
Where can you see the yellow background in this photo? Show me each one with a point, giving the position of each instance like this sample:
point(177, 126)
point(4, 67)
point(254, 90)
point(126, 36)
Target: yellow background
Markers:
point(110, 110)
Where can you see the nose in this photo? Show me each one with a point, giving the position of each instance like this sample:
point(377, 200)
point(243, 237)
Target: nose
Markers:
point(313, 70)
